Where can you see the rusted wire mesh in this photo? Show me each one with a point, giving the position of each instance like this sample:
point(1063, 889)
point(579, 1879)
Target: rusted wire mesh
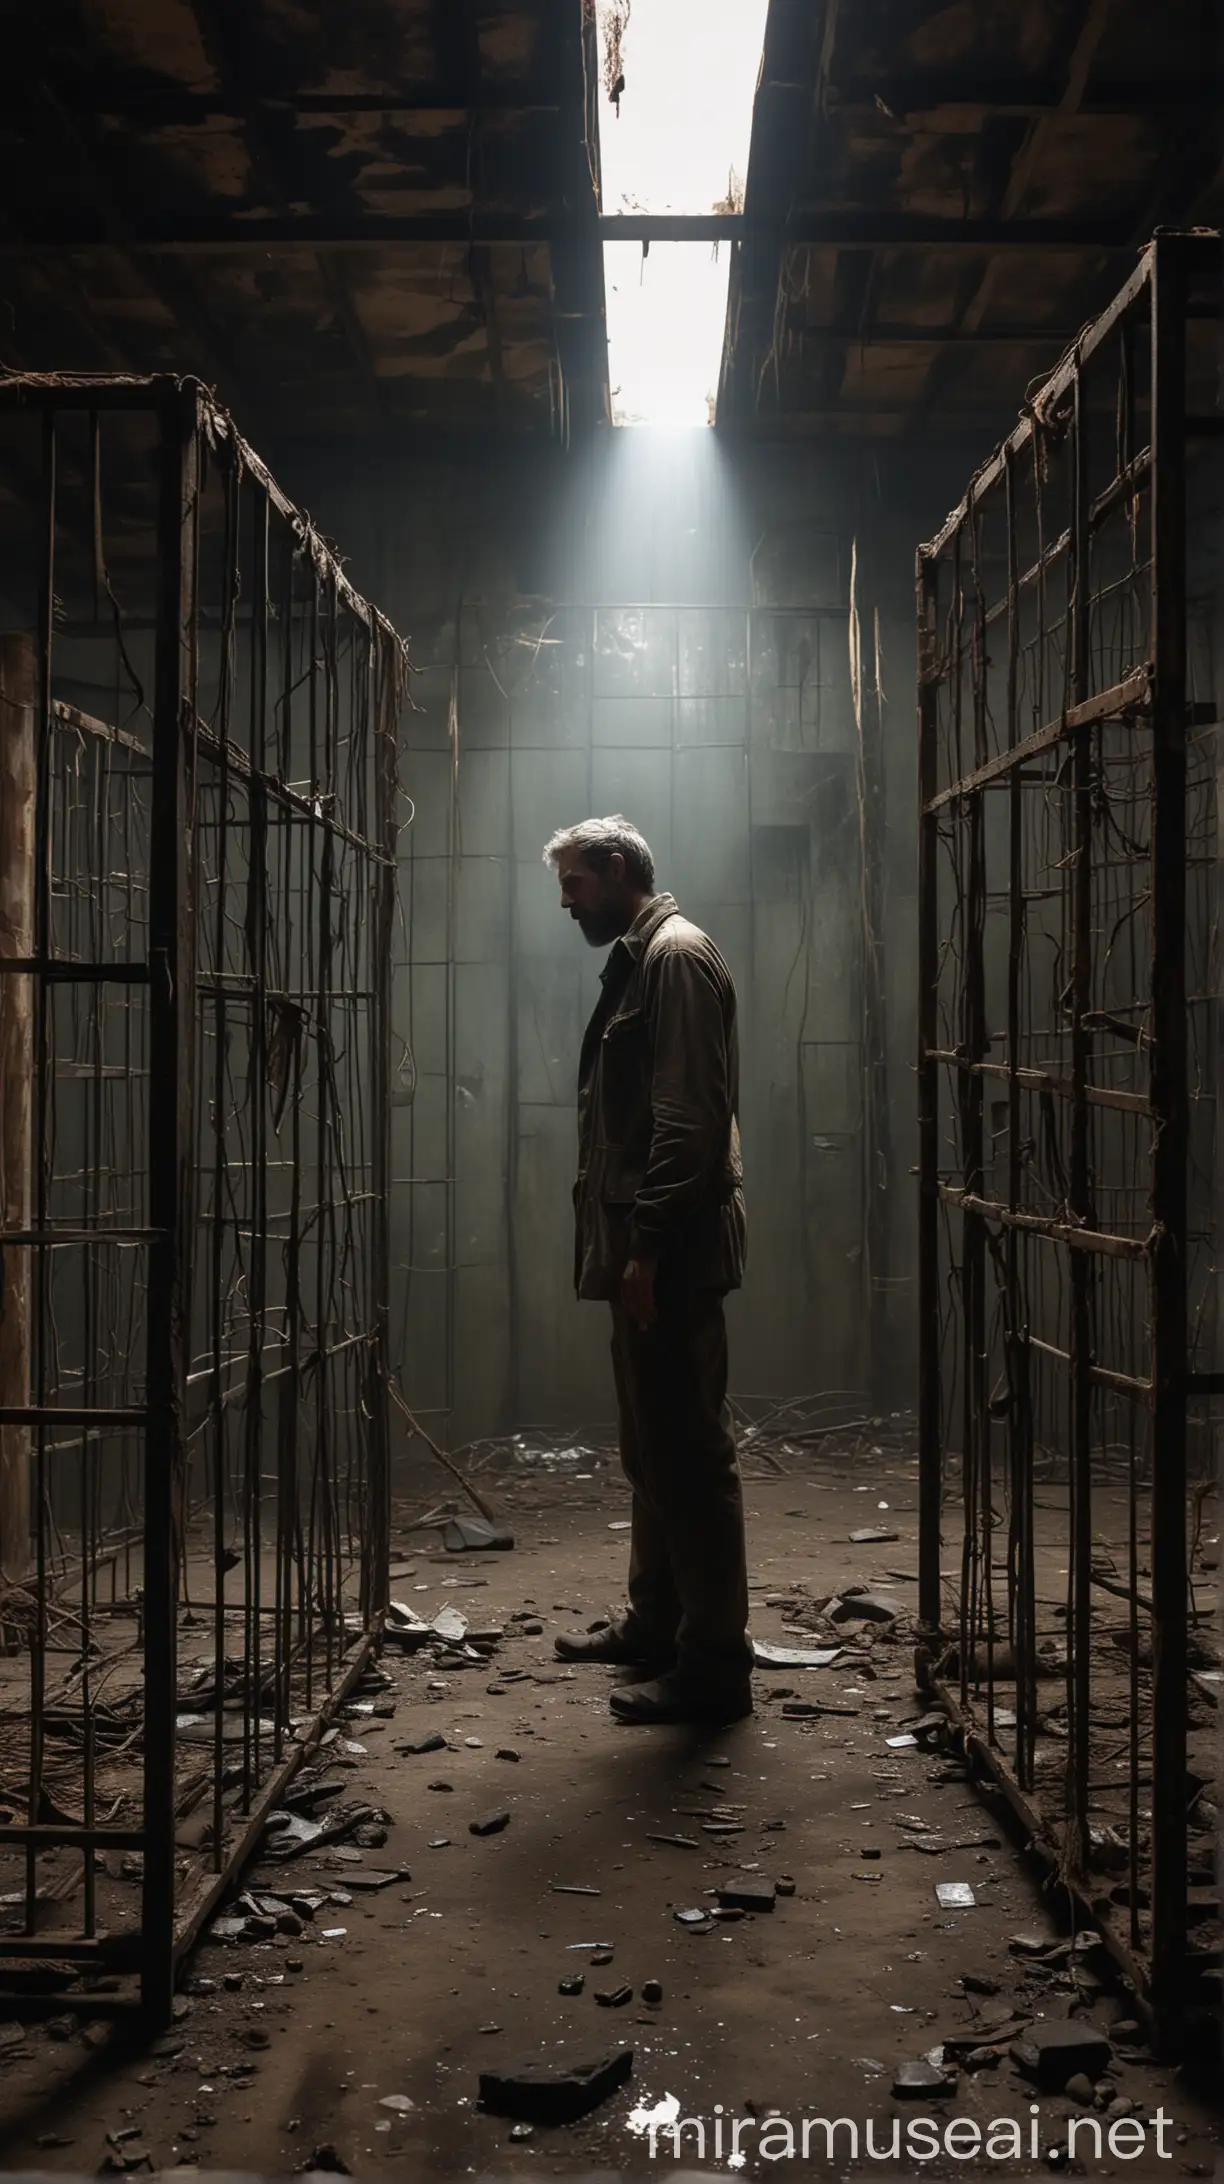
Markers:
point(211, 714)
point(1069, 702)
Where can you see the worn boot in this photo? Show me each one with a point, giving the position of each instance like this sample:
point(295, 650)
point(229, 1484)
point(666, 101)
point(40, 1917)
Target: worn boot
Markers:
point(677, 1697)
point(618, 1644)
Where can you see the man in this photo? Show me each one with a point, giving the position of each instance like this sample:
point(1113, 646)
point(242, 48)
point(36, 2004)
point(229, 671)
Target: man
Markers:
point(660, 1233)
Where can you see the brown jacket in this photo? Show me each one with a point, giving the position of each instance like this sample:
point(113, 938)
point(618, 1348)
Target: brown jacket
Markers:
point(659, 1170)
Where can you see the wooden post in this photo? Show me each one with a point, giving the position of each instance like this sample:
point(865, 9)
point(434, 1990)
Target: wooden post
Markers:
point(18, 696)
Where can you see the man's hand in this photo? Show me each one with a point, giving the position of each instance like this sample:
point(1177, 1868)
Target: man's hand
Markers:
point(637, 1293)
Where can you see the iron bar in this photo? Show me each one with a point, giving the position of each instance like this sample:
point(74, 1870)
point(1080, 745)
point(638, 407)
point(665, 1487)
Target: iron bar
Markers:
point(205, 1240)
point(1069, 1195)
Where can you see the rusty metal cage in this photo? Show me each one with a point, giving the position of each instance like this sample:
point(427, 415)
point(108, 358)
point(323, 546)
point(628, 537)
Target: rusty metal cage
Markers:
point(197, 864)
point(1069, 689)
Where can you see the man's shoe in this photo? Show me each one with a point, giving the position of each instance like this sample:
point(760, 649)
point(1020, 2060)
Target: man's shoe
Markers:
point(675, 1697)
point(616, 1645)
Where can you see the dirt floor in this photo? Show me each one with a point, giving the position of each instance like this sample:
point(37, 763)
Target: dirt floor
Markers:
point(289, 2048)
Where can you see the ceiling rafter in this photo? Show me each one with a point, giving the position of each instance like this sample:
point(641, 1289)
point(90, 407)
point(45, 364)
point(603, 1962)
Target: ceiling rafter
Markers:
point(457, 41)
point(785, 109)
point(224, 30)
point(152, 234)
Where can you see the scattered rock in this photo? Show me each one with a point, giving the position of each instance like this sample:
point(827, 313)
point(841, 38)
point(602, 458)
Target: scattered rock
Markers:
point(613, 1998)
point(931, 2081)
point(864, 1607)
point(543, 2092)
point(771, 1656)
point(492, 1823)
point(979, 1983)
point(507, 1751)
point(475, 1535)
point(784, 1885)
point(1054, 2050)
point(399, 2103)
point(652, 1991)
point(521, 2131)
point(435, 1742)
point(873, 1535)
point(747, 1895)
point(573, 1985)
point(1080, 2088)
point(602, 1956)
point(325, 2160)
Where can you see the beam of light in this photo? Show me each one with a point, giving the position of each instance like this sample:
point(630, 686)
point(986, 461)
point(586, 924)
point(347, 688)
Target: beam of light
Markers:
point(679, 144)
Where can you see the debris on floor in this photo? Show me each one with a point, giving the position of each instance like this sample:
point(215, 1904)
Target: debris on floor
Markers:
point(543, 2092)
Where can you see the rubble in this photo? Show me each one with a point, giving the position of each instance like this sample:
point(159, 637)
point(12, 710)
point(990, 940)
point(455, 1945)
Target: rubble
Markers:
point(324, 2161)
point(771, 1656)
point(747, 1895)
point(1054, 2050)
point(474, 1535)
point(863, 1607)
point(543, 2092)
point(924, 2080)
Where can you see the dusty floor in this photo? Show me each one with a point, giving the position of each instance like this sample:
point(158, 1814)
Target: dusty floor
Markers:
point(292, 2045)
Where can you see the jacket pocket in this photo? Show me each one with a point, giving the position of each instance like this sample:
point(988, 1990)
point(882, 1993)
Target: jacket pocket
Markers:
point(618, 1176)
point(623, 1118)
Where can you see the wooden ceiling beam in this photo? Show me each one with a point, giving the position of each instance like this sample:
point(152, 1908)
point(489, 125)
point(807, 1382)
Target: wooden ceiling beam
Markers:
point(113, 230)
point(224, 27)
point(457, 42)
point(152, 235)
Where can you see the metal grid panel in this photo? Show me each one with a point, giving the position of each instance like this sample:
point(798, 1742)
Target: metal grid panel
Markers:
point(1068, 765)
point(195, 1420)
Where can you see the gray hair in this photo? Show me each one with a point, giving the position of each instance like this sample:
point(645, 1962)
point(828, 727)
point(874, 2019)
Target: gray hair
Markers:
point(598, 841)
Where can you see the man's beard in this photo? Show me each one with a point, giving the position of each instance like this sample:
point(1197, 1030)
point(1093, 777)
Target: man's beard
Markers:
point(599, 928)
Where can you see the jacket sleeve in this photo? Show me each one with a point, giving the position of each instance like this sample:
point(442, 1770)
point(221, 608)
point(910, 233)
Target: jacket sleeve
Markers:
point(689, 1096)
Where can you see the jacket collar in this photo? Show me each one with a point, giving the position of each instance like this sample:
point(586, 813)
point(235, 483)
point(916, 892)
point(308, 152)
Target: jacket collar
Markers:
point(642, 931)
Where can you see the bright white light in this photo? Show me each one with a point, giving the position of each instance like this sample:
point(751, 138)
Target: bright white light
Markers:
point(683, 132)
point(666, 315)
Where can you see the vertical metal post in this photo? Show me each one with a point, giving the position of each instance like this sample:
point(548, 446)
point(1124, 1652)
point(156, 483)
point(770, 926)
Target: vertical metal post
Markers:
point(384, 696)
point(930, 1454)
point(18, 782)
point(973, 1150)
point(1021, 1570)
point(1079, 1628)
point(170, 1151)
point(1170, 1134)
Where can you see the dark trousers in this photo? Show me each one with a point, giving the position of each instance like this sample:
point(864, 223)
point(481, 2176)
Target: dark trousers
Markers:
point(688, 1579)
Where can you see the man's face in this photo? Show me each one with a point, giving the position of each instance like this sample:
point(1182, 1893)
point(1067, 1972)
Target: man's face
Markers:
point(595, 899)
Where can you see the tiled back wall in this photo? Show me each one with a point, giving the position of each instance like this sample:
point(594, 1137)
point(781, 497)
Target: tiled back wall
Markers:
point(681, 658)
